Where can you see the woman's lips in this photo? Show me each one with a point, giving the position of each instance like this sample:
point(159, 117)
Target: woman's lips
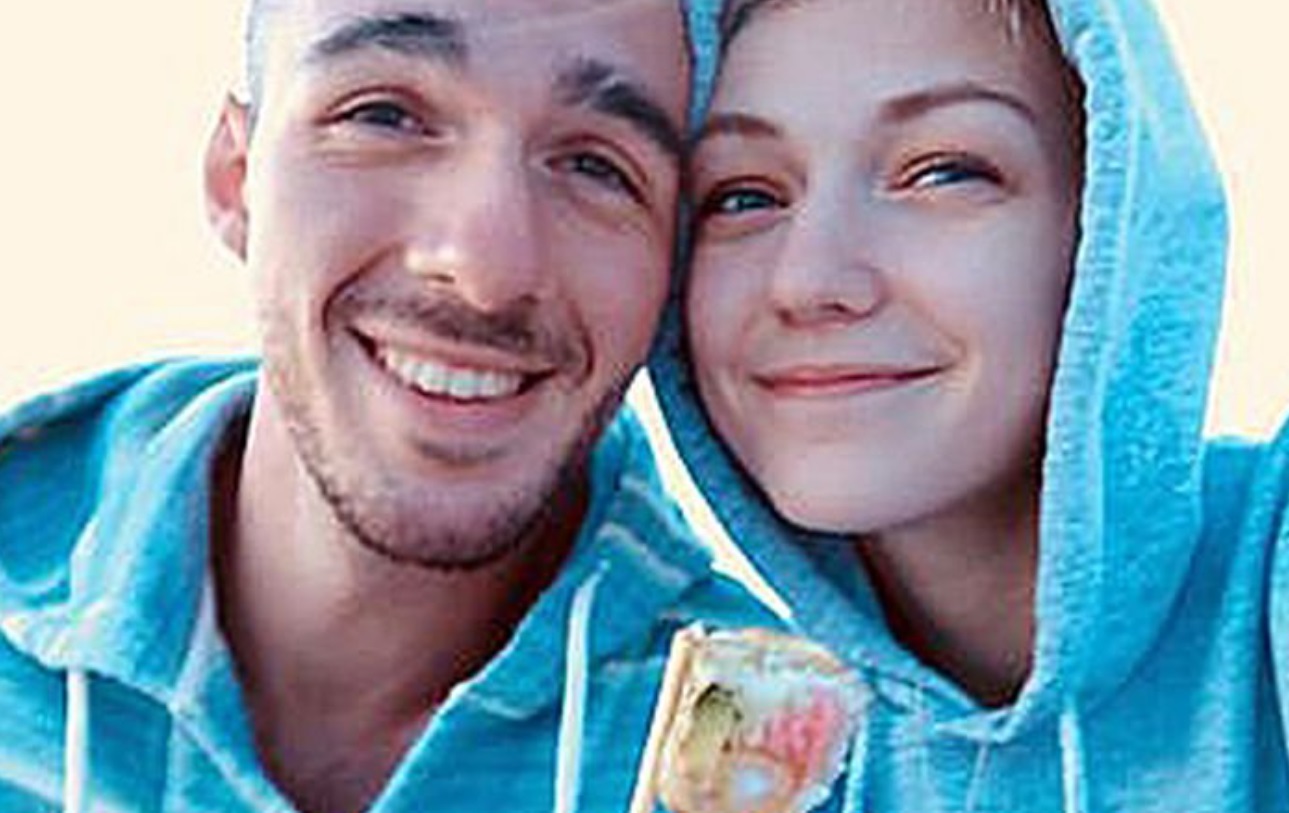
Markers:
point(830, 381)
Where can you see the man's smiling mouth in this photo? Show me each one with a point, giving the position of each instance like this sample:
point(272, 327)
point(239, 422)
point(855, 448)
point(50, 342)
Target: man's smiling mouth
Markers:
point(438, 379)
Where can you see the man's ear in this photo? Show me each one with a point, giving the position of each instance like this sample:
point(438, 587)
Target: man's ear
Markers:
point(226, 175)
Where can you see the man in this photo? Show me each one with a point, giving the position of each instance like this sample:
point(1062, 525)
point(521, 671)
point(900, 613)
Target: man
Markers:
point(341, 580)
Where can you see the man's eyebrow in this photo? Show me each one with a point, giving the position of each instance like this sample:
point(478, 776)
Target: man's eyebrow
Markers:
point(744, 125)
point(921, 102)
point(603, 88)
point(426, 36)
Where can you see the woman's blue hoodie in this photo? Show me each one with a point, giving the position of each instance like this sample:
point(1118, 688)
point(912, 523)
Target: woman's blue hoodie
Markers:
point(1159, 671)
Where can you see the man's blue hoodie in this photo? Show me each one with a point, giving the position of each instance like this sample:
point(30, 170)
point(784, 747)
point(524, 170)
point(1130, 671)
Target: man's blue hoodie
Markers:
point(118, 691)
point(1159, 666)
point(117, 687)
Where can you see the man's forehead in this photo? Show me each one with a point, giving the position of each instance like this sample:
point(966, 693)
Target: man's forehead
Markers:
point(644, 39)
point(482, 19)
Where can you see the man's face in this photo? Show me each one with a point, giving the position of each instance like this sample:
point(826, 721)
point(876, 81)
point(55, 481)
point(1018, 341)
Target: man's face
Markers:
point(459, 216)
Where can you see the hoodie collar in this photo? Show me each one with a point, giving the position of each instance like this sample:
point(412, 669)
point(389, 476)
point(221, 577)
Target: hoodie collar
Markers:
point(645, 557)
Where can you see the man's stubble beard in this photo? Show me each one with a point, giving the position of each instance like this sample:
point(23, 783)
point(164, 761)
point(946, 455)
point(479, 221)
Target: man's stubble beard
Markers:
point(368, 508)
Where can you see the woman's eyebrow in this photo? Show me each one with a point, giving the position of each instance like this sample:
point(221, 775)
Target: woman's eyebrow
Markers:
point(921, 102)
point(746, 125)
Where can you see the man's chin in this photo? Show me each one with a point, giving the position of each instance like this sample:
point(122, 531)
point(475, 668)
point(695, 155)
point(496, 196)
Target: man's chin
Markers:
point(466, 546)
point(448, 533)
point(433, 534)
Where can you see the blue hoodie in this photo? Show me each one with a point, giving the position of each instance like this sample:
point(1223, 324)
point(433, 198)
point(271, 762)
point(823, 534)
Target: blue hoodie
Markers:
point(1159, 660)
point(118, 690)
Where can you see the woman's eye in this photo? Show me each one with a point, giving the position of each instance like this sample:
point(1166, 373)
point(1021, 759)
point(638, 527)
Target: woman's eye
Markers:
point(949, 171)
point(737, 200)
point(600, 170)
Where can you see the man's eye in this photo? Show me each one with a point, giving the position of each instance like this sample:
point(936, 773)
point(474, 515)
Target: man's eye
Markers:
point(738, 200)
point(384, 115)
point(600, 170)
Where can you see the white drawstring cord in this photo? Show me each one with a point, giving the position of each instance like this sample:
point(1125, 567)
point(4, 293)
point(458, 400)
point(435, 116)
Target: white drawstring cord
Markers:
point(857, 765)
point(976, 783)
point(928, 788)
point(568, 758)
point(76, 743)
point(856, 780)
point(1072, 785)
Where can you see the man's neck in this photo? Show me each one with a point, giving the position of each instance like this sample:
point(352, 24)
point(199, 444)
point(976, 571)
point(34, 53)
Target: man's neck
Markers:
point(343, 654)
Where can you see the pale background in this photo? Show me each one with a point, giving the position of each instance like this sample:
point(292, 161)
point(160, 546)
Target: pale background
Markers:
point(108, 259)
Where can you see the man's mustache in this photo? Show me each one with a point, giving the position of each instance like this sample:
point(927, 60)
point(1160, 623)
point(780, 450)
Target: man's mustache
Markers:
point(519, 330)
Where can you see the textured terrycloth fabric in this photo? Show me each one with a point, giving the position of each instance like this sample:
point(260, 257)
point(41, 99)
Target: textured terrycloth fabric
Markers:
point(1159, 667)
point(104, 492)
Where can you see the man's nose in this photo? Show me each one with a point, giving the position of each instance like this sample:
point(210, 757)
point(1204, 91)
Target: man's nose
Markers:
point(480, 233)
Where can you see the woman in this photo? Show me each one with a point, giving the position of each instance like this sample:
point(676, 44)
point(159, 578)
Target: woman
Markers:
point(955, 284)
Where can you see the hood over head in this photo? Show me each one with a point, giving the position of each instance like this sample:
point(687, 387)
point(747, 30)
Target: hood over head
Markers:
point(1121, 495)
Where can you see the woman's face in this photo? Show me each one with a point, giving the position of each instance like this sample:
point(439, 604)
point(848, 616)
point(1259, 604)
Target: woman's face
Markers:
point(887, 197)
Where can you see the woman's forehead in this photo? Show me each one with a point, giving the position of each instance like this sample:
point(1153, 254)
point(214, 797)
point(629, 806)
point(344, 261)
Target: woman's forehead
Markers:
point(861, 49)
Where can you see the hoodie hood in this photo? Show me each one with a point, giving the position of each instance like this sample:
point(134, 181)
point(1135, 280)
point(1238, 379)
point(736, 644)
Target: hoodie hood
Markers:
point(89, 466)
point(1121, 497)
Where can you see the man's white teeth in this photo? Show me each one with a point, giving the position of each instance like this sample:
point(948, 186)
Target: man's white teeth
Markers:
point(458, 383)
